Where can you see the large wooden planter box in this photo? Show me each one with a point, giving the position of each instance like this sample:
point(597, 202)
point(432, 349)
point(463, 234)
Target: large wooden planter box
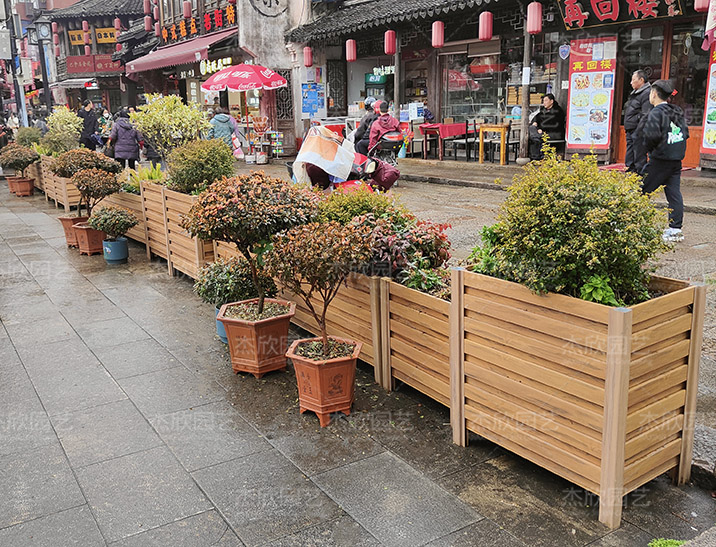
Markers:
point(65, 193)
point(604, 397)
point(415, 340)
point(133, 203)
point(225, 250)
point(163, 211)
point(34, 172)
point(48, 182)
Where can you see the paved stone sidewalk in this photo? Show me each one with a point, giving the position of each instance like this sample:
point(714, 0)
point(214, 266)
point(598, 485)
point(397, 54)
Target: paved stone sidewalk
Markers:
point(121, 423)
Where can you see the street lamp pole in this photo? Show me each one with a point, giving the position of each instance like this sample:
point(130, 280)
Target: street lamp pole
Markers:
point(38, 32)
point(19, 94)
point(45, 83)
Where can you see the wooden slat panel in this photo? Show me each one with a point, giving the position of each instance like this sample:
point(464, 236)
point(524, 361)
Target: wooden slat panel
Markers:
point(639, 467)
point(658, 359)
point(437, 383)
point(419, 299)
point(418, 316)
point(421, 338)
point(422, 388)
point(649, 388)
point(648, 413)
point(641, 439)
point(660, 469)
point(441, 366)
point(663, 304)
point(658, 333)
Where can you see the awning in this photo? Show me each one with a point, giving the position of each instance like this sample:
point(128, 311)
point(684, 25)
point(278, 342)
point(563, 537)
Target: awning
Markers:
point(184, 53)
point(73, 83)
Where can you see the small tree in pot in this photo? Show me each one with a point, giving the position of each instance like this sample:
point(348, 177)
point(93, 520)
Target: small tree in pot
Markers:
point(247, 211)
point(94, 185)
point(19, 158)
point(313, 261)
point(114, 222)
point(226, 281)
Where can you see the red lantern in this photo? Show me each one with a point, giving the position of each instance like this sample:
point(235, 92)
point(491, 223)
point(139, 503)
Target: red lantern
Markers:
point(157, 29)
point(88, 51)
point(156, 13)
point(484, 32)
point(389, 42)
point(438, 34)
point(118, 47)
point(307, 57)
point(186, 9)
point(55, 27)
point(56, 39)
point(85, 26)
point(232, 1)
point(351, 55)
point(148, 23)
point(57, 51)
point(86, 38)
point(117, 24)
point(701, 6)
point(534, 18)
point(147, 7)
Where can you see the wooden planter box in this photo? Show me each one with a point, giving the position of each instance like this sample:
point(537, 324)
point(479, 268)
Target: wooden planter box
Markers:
point(603, 397)
point(225, 250)
point(48, 181)
point(415, 340)
point(163, 211)
point(133, 203)
point(65, 193)
point(34, 172)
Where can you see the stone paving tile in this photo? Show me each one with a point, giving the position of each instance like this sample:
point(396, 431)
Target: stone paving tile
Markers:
point(104, 432)
point(484, 533)
point(264, 497)
point(394, 502)
point(45, 331)
point(626, 534)
point(138, 492)
point(71, 527)
point(343, 531)
point(170, 390)
point(208, 435)
point(134, 358)
point(35, 484)
point(45, 357)
point(204, 530)
point(90, 311)
point(112, 332)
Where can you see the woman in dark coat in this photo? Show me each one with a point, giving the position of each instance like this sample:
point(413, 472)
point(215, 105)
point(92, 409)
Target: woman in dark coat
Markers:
point(126, 140)
point(551, 120)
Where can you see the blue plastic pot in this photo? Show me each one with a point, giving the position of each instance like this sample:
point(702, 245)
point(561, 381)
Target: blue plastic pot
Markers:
point(117, 251)
point(220, 330)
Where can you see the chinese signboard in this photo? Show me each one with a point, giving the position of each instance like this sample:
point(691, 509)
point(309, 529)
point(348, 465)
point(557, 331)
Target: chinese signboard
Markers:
point(217, 19)
point(209, 67)
point(102, 36)
point(578, 14)
point(104, 63)
point(81, 64)
point(708, 142)
point(592, 65)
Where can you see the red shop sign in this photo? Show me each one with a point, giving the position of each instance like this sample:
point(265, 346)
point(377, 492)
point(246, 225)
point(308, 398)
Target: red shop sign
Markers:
point(104, 63)
point(79, 64)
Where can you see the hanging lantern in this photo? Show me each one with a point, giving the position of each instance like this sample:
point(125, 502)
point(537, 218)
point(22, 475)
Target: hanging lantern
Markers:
point(389, 42)
point(701, 6)
point(157, 30)
point(232, 1)
point(438, 34)
point(88, 51)
point(57, 51)
point(484, 32)
point(186, 9)
point(55, 27)
point(156, 13)
point(351, 55)
point(86, 38)
point(147, 7)
point(118, 47)
point(85, 26)
point(117, 24)
point(307, 57)
point(534, 18)
point(148, 23)
point(56, 39)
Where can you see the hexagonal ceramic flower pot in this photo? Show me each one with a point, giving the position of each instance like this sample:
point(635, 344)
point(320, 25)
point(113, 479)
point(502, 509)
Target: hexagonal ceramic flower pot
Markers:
point(89, 240)
point(67, 225)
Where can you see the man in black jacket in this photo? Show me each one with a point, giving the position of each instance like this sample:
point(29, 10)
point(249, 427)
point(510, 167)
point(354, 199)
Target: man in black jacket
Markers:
point(551, 120)
point(362, 135)
point(636, 110)
point(90, 126)
point(665, 136)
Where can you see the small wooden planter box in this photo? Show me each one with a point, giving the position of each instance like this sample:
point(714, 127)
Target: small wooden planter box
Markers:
point(603, 397)
point(34, 172)
point(415, 340)
point(65, 193)
point(133, 203)
point(163, 211)
point(48, 184)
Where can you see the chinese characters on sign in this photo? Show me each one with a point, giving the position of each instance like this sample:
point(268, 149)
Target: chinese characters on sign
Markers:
point(708, 142)
point(209, 67)
point(102, 36)
point(80, 64)
point(214, 20)
point(579, 14)
point(592, 65)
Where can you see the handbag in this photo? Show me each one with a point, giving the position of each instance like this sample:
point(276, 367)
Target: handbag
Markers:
point(109, 150)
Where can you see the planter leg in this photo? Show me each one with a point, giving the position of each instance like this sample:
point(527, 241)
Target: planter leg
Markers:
point(610, 509)
point(324, 419)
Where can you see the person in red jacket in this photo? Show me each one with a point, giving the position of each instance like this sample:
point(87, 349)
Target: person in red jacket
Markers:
point(385, 124)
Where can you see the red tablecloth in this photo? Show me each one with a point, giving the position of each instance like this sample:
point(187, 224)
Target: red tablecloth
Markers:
point(445, 130)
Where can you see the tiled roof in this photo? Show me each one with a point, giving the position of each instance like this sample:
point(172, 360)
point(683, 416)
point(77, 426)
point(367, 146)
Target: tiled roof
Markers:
point(98, 8)
point(376, 13)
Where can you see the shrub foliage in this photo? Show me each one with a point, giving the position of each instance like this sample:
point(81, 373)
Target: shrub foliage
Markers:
point(74, 161)
point(196, 165)
point(94, 185)
point(17, 157)
point(113, 221)
point(226, 281)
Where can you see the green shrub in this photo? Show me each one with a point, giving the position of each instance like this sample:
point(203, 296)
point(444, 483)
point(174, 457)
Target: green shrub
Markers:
point(113, 221)
point(17, 157)
point(420, 276)
point(56, 142)
point(27, 136)
point(64, 131)
point(566, 222)
point(94, 185)
point(343, 207)
point(226, 281)
point(196, 165)
point(74, 161)
point(661, 542)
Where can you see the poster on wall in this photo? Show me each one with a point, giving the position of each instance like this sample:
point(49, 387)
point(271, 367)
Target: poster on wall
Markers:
point(708, 142)
point(313, 101)
point(592, 65)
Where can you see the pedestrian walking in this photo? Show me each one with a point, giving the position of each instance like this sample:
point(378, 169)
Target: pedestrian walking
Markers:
point(13, 124)
point(665, 135)
point(125, 139)
point(636, 110)
point(105, 122)
point(223, 126)
point(90, 127)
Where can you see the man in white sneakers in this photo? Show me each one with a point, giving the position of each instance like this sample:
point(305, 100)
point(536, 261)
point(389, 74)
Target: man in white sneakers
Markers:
point(665, 135)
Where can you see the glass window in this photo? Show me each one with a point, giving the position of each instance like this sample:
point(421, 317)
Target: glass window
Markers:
point(642, 49)
point(472, 87)
point(689, 71)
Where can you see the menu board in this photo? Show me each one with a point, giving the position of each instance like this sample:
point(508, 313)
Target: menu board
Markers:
point(592, 65)
point(708, 143)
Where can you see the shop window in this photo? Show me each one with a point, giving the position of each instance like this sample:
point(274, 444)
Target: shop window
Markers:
point(284, 98)
point(688, 70)
point(642, 48)
point(473, 87)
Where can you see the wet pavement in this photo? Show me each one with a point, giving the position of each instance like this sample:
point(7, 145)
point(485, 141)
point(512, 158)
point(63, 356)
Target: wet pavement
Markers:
point(122, 422)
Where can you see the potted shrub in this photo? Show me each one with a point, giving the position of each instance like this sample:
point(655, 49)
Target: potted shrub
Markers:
point(114, 222)
point(19, 158)
point(27, 136)
point(247, 211)
point(226, 281)
point(196, 165)
point(72, 162)
point(93, 185)
point(315, 259)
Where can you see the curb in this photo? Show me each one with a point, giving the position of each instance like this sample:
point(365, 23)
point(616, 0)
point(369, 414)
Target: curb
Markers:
point(697, 209)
